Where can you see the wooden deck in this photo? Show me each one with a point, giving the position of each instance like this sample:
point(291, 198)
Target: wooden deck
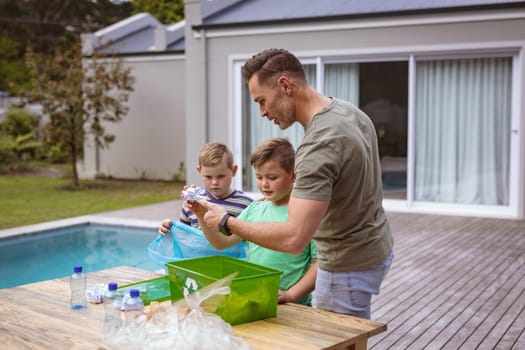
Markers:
point(456, 283)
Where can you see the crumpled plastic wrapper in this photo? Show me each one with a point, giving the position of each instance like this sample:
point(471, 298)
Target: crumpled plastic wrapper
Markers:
point(96, 293)
point(183, 325)
point(194, 194)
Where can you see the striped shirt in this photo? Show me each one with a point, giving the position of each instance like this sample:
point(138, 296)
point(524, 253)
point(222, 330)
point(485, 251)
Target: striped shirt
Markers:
point(234, 203)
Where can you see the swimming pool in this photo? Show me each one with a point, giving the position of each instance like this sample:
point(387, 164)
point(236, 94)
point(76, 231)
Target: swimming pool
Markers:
point(52, 254)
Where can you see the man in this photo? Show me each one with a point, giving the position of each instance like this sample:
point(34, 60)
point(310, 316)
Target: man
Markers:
point(337, 197)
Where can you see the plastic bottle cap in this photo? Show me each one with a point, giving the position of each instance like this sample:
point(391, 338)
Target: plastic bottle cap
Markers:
point(112, 286)
point(134, 293)
point(77, 268)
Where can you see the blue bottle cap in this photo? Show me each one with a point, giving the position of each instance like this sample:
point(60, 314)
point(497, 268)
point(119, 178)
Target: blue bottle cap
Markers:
point(112, 286)
point(134, 293)
point(77, 268)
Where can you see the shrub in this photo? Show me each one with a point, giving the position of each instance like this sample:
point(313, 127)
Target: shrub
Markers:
point(56, 154)
point(18, 136)
point(7, 149)
point(20, 122)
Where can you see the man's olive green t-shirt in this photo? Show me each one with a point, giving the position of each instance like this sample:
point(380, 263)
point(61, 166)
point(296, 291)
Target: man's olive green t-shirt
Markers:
point(338, 162)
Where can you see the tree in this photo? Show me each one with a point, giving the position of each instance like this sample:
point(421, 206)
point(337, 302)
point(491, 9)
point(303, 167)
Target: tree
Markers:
point(41, 23)
point(79, 98)
point(105, 85)
point(166, 11)
point(13, 73)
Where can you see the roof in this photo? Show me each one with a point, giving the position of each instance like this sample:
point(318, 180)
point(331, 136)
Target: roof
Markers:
point(257, 12)
point(144, 34)
point(141, 33)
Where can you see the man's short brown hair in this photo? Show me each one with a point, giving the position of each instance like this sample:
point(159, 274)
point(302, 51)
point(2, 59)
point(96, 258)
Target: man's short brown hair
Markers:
point(270, 63)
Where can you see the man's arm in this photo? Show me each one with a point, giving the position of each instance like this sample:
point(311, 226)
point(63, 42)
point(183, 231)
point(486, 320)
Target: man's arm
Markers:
point(216, 239)
point(304, 217)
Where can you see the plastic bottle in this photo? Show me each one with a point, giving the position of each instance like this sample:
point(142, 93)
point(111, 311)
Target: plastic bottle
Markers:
point(77, 282)
point(133, 306)
point(112, 306)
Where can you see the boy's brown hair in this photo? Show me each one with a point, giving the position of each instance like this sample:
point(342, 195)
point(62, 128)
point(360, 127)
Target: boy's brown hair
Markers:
point(278, 148)
point(211, 154)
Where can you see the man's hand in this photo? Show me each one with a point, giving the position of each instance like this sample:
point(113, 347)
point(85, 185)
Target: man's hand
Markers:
point(214, 214)
point(165, 226)
point(197, 208)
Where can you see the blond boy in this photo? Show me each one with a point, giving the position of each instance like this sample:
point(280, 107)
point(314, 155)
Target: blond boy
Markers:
point(216, 169)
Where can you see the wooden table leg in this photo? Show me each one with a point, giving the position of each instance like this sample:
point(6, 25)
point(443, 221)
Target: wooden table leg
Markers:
point(361, 344)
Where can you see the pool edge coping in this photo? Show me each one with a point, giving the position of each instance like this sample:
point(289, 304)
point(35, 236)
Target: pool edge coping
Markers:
point(75, 221)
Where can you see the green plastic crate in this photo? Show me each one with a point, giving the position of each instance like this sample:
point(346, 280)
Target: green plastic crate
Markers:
point(254, 291)
point(155, 289)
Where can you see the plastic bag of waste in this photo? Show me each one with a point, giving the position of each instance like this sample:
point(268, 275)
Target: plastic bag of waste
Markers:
point(186, 242)
point(182, 325)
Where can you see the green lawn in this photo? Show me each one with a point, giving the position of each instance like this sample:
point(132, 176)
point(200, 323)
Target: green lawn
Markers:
point(28, 200)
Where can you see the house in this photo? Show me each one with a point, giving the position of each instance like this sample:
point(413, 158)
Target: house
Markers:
point(150, 139)
point(443, 82)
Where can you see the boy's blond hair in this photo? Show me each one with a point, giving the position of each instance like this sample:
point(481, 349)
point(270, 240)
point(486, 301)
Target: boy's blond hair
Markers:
point(211, 154)
point(278, 148)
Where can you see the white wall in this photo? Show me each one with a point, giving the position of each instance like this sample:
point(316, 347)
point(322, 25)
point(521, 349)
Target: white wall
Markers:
point(150, 141)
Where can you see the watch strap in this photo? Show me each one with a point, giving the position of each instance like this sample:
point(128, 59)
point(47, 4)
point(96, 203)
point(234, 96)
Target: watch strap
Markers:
point(223, 225)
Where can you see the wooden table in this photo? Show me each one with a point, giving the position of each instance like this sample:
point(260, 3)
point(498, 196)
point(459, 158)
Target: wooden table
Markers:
point(37, 316)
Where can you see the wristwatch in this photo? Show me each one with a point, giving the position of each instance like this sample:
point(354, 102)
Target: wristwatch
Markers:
point(223, 225)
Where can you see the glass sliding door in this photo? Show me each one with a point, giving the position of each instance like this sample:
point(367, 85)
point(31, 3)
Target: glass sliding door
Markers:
point(462, 128)
point(381, 90)
point(341, 80)
point(257, 129)
point(383, 95)
point(459, 147)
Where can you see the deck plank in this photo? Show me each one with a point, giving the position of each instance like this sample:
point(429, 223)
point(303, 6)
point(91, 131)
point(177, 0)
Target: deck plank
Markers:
point(431, 314)
point(456, 282)
point(520, 342)
point(440, 326)
point(506, 313)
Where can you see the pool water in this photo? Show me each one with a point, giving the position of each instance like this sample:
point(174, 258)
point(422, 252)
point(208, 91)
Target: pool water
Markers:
point(52, 254)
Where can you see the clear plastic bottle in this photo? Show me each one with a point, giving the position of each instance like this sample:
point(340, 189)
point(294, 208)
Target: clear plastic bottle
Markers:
point(112, 306)
point(133, 306)
point(77, 282)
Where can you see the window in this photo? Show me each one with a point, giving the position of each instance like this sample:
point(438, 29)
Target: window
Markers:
point(257, 129)
point(461, 116)
point(383, 95)
point(462, 146)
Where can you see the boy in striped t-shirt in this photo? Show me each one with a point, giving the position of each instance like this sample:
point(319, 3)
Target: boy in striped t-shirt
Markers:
point(217, 170)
